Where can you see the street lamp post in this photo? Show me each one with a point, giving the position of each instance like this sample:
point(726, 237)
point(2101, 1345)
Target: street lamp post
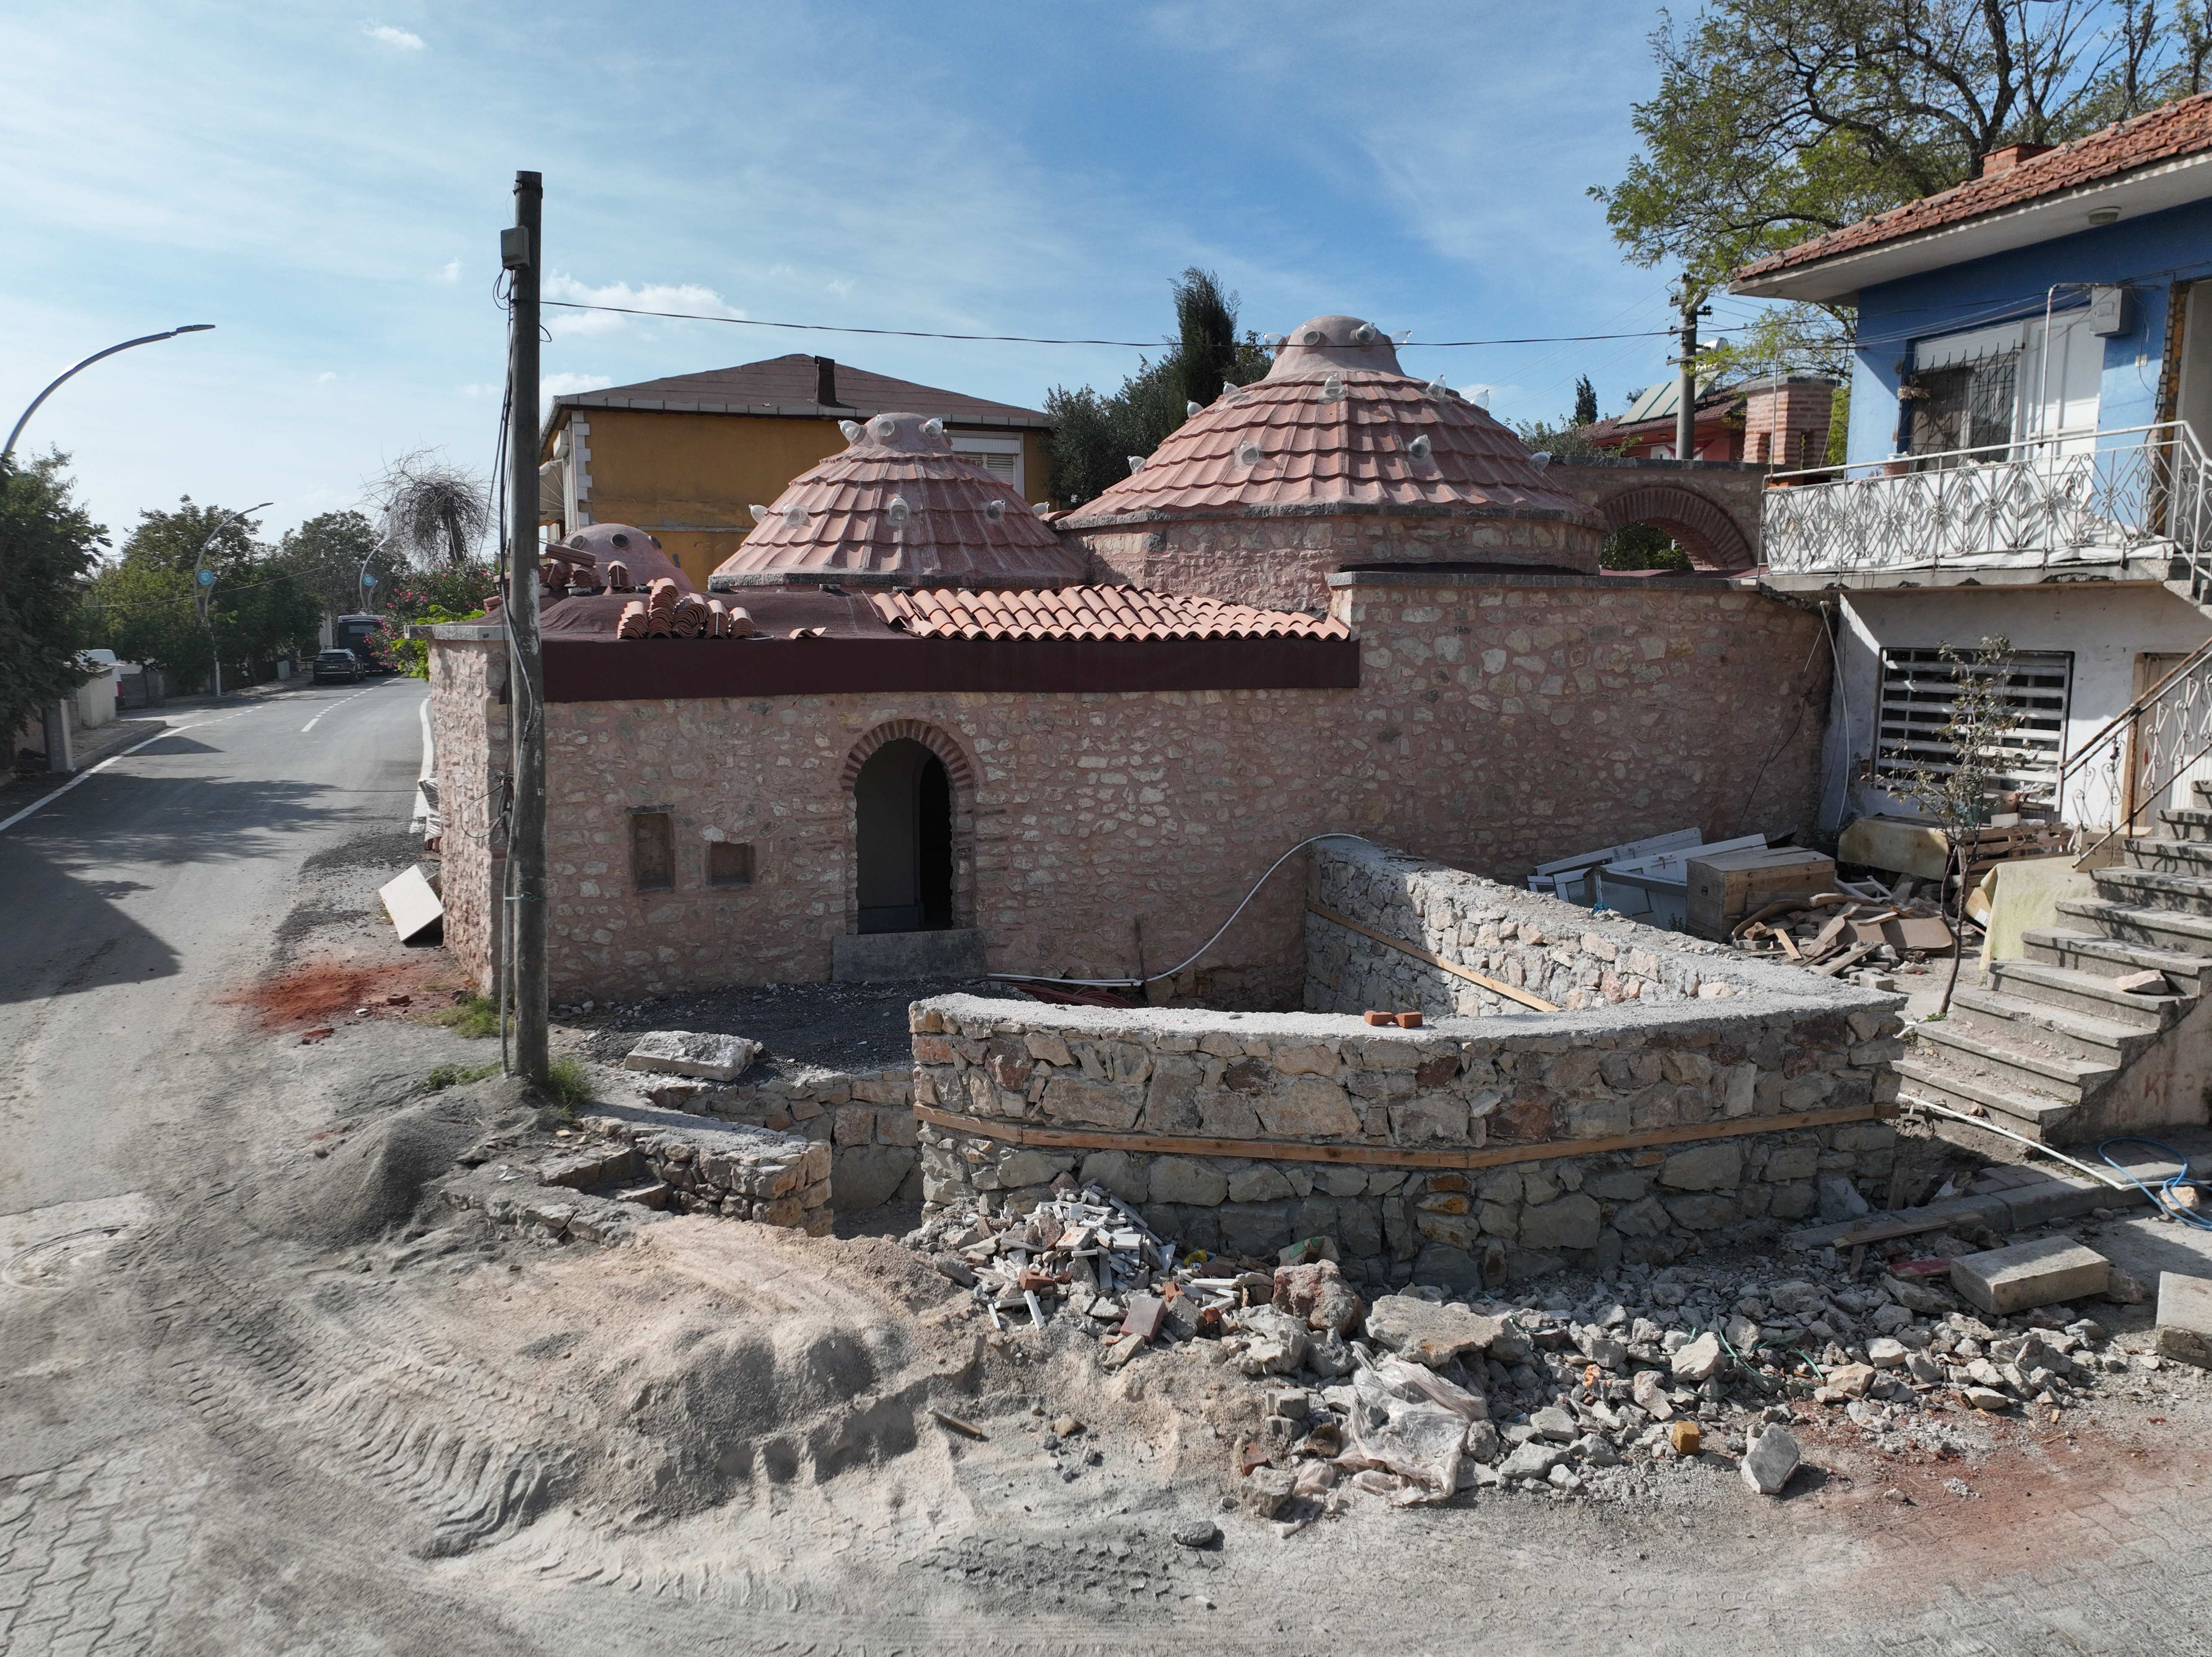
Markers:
point(203, 582)
point(143, 339)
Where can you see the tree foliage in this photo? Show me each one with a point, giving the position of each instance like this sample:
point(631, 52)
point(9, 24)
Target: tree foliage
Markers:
point(456, 594)
point(1095, 434)
point(325, 557)
point(146, 607)
point(47, 547)
point(1776, 120)
point(433, 512)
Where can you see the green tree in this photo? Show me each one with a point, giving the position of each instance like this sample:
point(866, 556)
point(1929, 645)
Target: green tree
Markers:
point(255, 607)
point(324, 555)
point(1095, 434)
point(1778, 120)
point(143, 611)
point(1585, 401)
point(47, 549)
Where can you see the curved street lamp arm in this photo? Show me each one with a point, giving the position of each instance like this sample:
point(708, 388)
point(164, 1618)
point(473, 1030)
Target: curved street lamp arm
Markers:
point(143, 339)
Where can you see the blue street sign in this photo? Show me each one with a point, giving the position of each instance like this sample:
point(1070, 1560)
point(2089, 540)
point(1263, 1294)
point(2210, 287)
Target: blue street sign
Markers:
point(207, 578)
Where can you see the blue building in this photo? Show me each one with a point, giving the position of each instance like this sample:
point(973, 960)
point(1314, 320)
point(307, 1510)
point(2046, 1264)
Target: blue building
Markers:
point(2030, 401)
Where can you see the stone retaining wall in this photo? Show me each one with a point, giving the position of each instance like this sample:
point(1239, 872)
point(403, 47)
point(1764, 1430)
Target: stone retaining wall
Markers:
point(866, 1117)
point(1451, 1151)
point(1554, 949)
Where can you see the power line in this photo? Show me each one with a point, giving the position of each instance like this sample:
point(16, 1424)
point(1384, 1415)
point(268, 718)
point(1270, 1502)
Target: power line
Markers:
point(1032, 339)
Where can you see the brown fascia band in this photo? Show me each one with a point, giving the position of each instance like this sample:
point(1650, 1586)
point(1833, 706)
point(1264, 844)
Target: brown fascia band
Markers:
point(591, 671)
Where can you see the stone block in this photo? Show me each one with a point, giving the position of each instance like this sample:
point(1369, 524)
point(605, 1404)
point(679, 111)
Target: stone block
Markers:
point(2029, 1274)
point(1308, 1108)
point(1027, 1167)
point(691, 1053)
point(1093, 1104)
point(1260, 1183)
point(1455, 1269)
point(1702, 1211)
point(1186, 1180)
point(852, 1125)
point(1127, 1177)
point(1436, 1117)
point(1769, 1459)
point(1717, 1165)
point(867, 1176)
point(1621, 1184)
point(1568, 1221)
point(2185, 1318)
point(1256, 1231)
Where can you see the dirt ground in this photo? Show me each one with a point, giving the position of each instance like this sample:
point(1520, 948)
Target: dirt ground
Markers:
point(272, 1403)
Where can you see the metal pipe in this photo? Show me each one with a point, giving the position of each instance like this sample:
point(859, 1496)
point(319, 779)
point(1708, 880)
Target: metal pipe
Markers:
point(76, 368)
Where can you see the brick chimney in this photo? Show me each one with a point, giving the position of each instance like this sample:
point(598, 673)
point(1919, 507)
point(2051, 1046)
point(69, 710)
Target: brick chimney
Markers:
point(2003, 160)
point(1785, 426)
point(825, 382)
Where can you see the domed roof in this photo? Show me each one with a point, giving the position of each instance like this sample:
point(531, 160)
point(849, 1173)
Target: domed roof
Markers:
point(896, 505)
point(1334, 422)
point(629, 546)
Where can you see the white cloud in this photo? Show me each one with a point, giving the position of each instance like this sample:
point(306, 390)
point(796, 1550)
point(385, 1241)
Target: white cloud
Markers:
point(392, 37)
point(565, 385)
point(449, 272)
point(687, 297)
point(842, 288)
point(325, 377)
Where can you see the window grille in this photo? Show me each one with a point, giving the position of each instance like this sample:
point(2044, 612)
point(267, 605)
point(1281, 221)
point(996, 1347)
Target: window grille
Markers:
point(1918, 688)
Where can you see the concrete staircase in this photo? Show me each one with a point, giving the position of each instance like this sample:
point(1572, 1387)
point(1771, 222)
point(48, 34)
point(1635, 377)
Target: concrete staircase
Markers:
point(2051, 1050)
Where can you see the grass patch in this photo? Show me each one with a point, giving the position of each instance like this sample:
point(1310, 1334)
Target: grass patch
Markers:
point(570, 1085)
point(456, 1076)
point(476, 1017)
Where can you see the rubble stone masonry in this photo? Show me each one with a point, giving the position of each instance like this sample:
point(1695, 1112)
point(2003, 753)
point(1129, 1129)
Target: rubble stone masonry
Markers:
point(1502, 718)
point(1718, 1096)
point(468, 716)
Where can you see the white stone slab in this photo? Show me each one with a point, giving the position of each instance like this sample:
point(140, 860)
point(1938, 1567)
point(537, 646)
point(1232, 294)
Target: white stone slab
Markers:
point(689, 1052)
point(2185, 1318)
point(2038, 1273)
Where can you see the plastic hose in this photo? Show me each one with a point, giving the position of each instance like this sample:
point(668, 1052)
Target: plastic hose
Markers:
point(2176, 1183)
point(1742, 1362)
point(1988, 1126)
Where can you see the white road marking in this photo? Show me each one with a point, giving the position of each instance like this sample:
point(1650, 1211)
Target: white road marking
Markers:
point(421, 814)
point(80, 776)
point(332, 708)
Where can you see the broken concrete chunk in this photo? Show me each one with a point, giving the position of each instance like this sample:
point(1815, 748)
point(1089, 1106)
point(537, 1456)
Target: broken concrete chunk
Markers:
point(1699, 1361)
point(2038, 1273)
point(1319, 1294)
point(1884, 1353)
point(691, 1053)
point(1650, 1391)
point(1266, 1490)
point(2185, 1318)
point(1429, 1333)
point(1555, 1424)
point(1197, 1533)
point(1769, 1459)
point(1534, 1459)
point(1988, 1399)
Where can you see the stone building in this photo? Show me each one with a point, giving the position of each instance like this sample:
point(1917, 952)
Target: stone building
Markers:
point(953, 743)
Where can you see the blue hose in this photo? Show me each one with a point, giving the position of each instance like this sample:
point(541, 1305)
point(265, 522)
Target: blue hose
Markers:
point(2172, 1184)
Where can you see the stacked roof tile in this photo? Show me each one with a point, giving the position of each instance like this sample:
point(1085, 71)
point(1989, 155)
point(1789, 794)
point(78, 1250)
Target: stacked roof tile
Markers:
point(898, 504)
point(2165, 134)
point(1335, 421)
point(1118, 613)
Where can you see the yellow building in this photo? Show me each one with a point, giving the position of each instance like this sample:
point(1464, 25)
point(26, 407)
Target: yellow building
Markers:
point(688, 457)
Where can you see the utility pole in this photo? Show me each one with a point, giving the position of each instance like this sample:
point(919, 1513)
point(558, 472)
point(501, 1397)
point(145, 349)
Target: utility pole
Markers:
point(1686, 392)
point(520, 253)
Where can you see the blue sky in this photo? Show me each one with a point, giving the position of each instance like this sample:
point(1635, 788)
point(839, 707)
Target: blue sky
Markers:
point(327, 185)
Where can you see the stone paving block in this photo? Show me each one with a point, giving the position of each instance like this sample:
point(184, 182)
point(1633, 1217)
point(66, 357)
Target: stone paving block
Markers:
point(2030, 1274)
point(691, 1053)
point(2185, 1318)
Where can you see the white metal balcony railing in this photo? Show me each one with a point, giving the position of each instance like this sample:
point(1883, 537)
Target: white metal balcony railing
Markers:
point(2134, 766)
point(2073, 497)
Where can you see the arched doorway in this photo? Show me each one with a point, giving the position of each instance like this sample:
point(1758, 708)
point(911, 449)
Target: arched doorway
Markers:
point(1702, 529)
point(902, 839)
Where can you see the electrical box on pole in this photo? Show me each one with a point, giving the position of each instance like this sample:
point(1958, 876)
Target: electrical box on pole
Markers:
point(522, 255)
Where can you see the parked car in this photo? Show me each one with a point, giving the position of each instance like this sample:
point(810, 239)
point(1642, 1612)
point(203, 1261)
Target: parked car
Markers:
point(337, 665)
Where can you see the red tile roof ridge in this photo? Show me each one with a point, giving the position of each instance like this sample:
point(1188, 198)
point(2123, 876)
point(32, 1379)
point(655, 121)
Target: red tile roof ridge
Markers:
point(2167, 133)
point(1118, 613)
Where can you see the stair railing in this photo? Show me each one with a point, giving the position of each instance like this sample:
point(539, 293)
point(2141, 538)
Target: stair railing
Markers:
point(2134, 761)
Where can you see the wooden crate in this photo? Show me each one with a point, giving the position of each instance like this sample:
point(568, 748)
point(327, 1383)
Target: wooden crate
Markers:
point(1724, 888)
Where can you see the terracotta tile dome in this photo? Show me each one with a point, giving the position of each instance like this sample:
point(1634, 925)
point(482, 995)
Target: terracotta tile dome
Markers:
point(1404, 469)
point(898, 506)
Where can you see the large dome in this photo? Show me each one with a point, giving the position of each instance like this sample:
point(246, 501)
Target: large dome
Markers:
point(898, 506)
point(1337, 456)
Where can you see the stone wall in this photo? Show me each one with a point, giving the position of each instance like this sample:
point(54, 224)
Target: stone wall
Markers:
point(1715, 1098)
point(468, 716)
point(1557, 951)
point(1283, 560)
point(1502, 718)
point(865, 1118)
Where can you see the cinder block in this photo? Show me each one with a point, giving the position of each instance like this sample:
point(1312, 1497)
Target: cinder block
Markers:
point(2185, 1318)
point(2030, 1274)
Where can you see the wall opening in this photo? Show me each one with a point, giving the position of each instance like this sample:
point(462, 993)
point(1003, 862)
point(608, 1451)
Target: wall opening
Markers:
point(652, 852)
point(902, 800)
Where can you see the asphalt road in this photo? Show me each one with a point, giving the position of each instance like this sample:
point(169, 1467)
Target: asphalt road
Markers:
point(136, 898)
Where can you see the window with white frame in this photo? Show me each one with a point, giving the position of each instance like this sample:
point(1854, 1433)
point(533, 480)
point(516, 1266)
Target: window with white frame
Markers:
point(1001, 456)
point(1918, 690)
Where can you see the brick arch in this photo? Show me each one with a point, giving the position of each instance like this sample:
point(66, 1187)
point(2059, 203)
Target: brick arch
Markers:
point(1700, 526)
point(959, 770)
point(958, 766)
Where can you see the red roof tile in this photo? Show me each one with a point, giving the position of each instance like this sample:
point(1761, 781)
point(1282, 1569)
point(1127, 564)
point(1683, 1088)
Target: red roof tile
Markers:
point(2164, 134)
point(1120, 613)
point(897, 503)
point(1334, 421)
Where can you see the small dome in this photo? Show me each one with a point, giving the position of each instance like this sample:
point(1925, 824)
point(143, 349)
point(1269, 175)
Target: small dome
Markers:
point(899, 507)
point(632, 548)
point(1328, 343)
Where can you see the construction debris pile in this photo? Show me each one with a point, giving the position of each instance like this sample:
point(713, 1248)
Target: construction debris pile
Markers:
point(1855, 934)
point(1416, 1397)
point(665, 612)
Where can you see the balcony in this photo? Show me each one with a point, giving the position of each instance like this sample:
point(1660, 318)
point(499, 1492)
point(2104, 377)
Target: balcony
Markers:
point(2131, 496)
